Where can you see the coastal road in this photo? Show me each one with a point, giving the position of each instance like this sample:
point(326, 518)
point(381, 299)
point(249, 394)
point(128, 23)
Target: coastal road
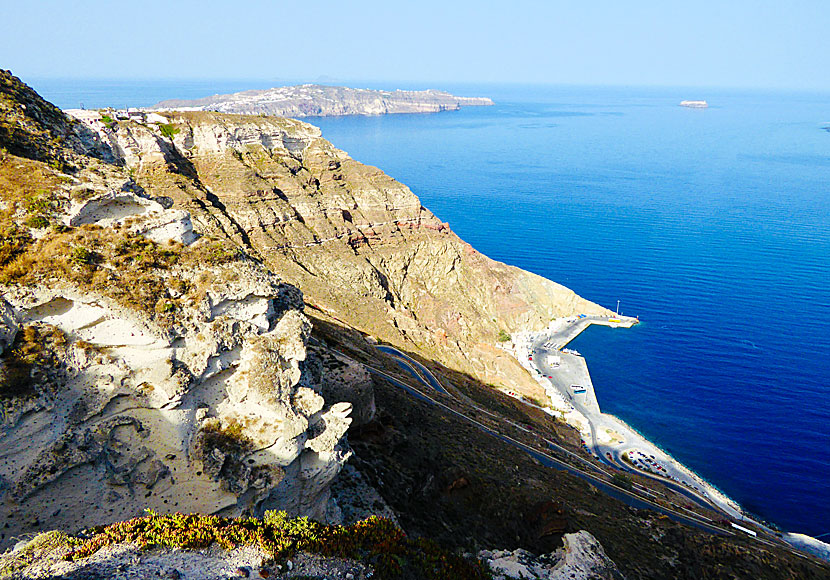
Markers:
point(421, 373)
point(619, 493)
point(617, 438)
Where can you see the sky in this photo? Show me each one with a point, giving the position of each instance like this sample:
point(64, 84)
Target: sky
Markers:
point(722, 43)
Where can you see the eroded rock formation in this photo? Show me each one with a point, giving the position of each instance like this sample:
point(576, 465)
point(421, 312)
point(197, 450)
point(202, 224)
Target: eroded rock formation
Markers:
point(145, 364)
point(582, 557)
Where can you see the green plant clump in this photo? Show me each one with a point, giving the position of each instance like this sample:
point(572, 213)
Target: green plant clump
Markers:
point(375, 541)
point(503, 336)
point(36, 221)
point(84, 256)
point(30, 553)
point(168, 130)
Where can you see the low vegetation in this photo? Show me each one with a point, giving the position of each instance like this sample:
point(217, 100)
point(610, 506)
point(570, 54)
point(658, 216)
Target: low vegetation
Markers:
point(32, 352)
point(228, 440)
point(374, 541)
point(131, 269)
point(168, 130)
point(108, 121)
point(40, 546)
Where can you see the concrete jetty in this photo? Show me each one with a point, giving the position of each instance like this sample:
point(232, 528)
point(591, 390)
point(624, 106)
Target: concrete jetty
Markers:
point(565, 377)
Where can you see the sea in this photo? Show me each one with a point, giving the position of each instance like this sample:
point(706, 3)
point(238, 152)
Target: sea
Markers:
point(711, 225)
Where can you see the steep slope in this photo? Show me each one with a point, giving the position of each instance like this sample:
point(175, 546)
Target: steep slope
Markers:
point(155, 352)
point(359, 244)
point(322, 100)
point(143, 365)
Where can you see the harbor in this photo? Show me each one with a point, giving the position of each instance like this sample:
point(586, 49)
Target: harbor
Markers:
point(564, 375)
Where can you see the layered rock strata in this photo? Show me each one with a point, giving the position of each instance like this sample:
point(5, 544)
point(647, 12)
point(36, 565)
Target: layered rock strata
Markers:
point(144, 363)
point(359, 244)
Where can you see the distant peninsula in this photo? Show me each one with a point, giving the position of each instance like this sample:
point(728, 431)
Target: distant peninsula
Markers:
point(323, 101)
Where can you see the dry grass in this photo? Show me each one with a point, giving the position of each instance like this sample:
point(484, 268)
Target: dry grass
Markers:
point(34, 346)
point(132, 270)
point(39, 547)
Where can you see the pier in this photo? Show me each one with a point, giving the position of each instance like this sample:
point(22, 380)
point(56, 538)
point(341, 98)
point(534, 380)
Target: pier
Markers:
point(564, 375)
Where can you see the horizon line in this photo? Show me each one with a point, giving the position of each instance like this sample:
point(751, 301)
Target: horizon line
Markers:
point(282, 81)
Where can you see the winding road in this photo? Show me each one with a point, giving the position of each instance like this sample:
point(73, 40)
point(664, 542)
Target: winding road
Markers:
point(427, 379)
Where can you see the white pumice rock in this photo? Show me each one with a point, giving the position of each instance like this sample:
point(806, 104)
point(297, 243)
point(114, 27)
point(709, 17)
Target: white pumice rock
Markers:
point(123, 421)
point(147, 217)
point(581, 558)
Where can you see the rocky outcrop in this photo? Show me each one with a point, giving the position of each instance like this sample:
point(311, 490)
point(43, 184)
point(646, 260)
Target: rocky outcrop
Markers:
point(322, 100)
point(144, 365)
point(581, 558)
point(213, 415)
point(156, 222)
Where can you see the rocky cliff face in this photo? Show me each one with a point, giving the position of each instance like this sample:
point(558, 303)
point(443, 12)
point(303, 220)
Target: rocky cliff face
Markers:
point(359, 244)
point(321, 101)
point(580, 557)
point(155, 353)
point(144, 364)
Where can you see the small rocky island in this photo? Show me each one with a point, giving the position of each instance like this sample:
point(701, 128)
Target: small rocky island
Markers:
point(694, 104)
point(324, 101)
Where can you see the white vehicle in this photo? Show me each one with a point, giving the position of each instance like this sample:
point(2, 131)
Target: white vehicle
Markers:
point(745, 530)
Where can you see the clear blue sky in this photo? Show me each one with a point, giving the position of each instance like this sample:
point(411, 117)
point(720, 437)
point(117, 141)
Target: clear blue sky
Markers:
point(695, 43)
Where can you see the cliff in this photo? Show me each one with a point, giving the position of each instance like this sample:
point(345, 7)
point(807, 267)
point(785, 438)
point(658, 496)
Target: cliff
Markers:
point(158, 284)
point(142, 363)
point(323, 101)
point(359, 244)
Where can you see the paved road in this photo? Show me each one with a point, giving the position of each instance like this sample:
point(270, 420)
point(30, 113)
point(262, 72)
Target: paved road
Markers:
point(624, 495)
point(419, 371)
point(573, 371)
point(425, 377)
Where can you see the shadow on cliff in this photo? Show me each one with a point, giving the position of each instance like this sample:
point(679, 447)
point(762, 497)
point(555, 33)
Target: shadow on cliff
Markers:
point(449, 480)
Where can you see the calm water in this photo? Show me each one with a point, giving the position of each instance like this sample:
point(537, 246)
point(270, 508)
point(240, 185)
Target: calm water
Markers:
point(712, 225)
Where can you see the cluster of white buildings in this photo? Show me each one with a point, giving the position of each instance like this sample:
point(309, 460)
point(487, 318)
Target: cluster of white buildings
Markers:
point(137, 116)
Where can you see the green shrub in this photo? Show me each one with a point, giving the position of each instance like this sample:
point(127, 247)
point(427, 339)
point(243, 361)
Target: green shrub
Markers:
point(82, 255)
point(375, 541)
point(36, 221)
point(168, 130)
point(503, 336)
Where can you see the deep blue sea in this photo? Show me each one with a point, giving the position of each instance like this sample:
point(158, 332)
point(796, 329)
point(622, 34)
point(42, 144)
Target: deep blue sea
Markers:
point(713, 226)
